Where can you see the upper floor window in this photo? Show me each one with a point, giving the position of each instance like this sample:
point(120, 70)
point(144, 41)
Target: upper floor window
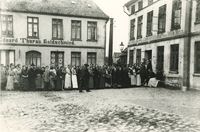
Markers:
point(139, 27)
point(198, 11)
point(33, 27)
point(132, 9)
point(132, 29)
point(92, 31)
point(176, 15)
point(76, 30)
point(162, 19)
point(57, 29)
point(149, 23)
point(140, 5)
point(7, 25)
point(150, 2)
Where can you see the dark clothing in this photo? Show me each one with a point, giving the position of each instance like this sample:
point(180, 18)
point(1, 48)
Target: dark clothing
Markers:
point(96, 78)
point(24, 78)
point(31, 78)
point(59, 79)
point(143, 74)
point(84, 77)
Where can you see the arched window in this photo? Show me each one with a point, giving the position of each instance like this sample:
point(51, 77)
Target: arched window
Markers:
point(33, 57)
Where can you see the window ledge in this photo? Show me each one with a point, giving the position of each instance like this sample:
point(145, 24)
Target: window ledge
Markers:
point(173, 72)
point(57, 38)
point(76, 40)
point(197, 22)
point(196, 74)
point(8, 36)
point(92, 40)
point(33, 38)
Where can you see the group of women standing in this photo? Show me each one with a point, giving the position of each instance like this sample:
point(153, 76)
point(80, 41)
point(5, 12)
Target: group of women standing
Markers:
point(60, 78)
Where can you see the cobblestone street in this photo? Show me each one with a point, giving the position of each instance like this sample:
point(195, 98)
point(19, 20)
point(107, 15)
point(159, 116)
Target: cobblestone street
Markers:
point(108, 110)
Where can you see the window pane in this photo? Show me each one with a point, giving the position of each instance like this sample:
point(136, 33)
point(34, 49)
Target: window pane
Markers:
point(30, 19)
point(11, 57)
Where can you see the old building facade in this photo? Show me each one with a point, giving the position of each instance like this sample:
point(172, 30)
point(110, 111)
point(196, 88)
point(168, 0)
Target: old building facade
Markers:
point(52, 32)
point(166, 32)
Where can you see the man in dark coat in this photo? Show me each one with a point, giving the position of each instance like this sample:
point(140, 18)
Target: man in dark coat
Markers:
point(31, 77)
point(143, 72)
point(84, 77)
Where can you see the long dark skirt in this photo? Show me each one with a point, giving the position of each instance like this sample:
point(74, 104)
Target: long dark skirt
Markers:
point(102, 82)
point(91, 82)
point(24, 82)
point(59, 84)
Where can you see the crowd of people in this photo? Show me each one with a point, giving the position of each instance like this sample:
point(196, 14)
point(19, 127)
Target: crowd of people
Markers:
point(84, 77)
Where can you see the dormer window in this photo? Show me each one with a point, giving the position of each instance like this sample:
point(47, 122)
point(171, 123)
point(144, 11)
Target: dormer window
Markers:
point(140, 5)
point(132, 9)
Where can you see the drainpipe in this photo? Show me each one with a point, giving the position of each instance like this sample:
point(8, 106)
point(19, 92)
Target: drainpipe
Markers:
point(187, 48)
point(110, 59)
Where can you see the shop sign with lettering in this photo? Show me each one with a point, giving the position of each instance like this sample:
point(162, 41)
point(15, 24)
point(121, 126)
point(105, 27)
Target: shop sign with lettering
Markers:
point(34, 41)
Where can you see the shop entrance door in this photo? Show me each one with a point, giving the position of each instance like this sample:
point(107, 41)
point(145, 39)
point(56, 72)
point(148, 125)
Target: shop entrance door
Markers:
point(57, 58)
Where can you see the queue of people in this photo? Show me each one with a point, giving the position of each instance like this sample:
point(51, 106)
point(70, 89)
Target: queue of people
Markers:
point(84, 77)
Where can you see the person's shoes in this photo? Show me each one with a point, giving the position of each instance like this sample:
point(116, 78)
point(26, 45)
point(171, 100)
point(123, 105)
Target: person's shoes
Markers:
point(88, 91)
point(80, 91)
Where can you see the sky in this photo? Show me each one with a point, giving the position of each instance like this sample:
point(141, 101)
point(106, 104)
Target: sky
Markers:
point(114, 9)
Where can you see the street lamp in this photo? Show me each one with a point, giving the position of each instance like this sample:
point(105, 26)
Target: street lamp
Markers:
point(121, 46)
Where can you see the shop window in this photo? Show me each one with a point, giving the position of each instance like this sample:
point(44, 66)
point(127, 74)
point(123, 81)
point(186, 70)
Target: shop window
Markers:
point(57, 29)
point(174, 58)
point(176, 15)
point(162, 19)
point(140, 5)
point(7, 25)
point(33, 57)
point(57, 58)
point(7, 57)
point(91, 58)
point(197, 58)
point(132, 29)
point(150, 2)
point(92, 31)
point(132, 9)
point(33, 27)
point(149, 23)
point(198, 11)
point(131, 55)
point(139, 27)
point(138, 56)
point(76, 30)
point(76, 59)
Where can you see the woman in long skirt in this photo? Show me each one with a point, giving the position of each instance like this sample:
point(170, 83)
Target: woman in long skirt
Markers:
point(91, 77)
point(68, 77)
point(59, 78)
point(102, 78)
point(24, 78)
point(52, 77)
point(133, 76)
point(10, 78)
point(38, 80)
point(138, 77)
point(17, 79)
point(74, 78)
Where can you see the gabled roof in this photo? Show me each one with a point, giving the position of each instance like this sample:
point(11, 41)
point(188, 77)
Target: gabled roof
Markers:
point(77, 8)
point(130, 3)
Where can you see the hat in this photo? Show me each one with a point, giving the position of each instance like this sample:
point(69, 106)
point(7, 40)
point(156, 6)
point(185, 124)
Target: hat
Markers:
point(86, 65)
